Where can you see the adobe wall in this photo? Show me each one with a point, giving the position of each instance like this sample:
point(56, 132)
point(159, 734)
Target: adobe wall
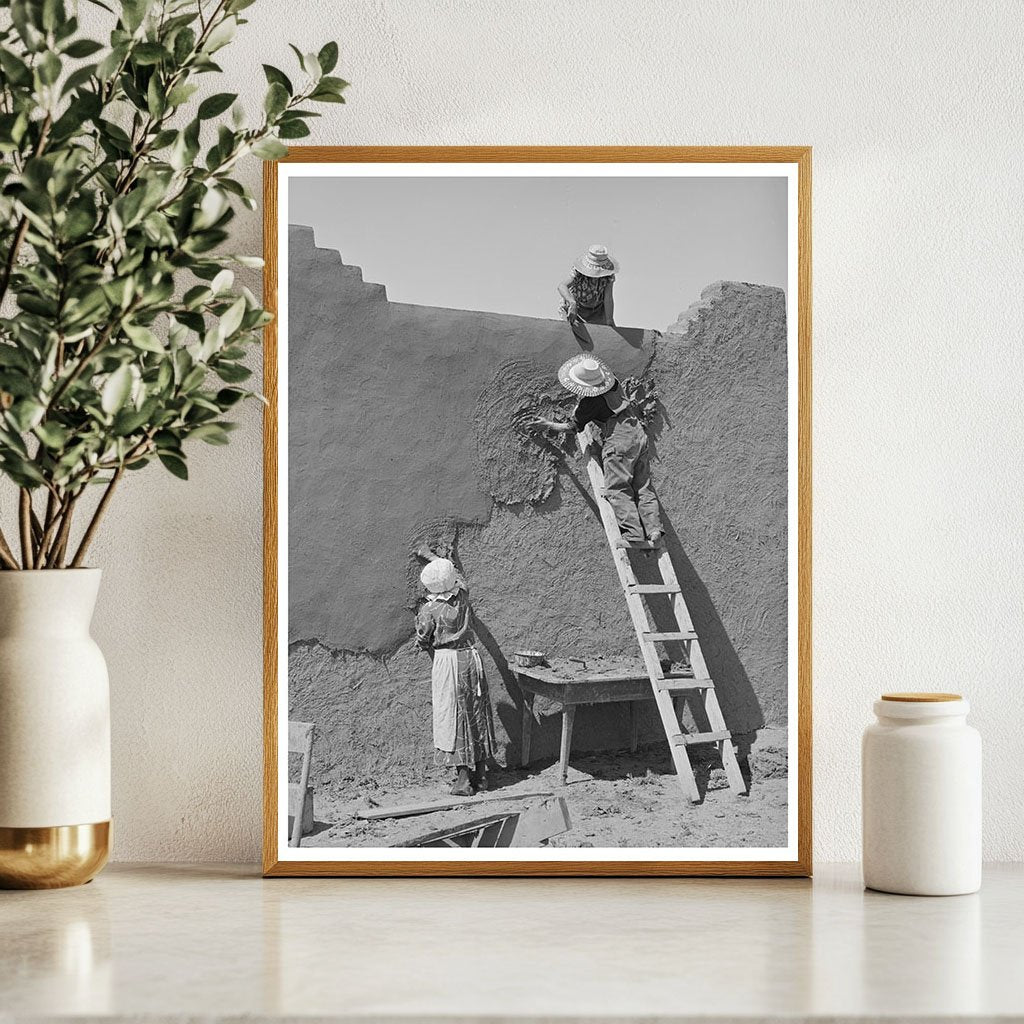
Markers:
point(401, 427)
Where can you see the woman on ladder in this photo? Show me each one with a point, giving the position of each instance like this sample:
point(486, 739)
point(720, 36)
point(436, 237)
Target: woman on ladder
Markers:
point(462, 716)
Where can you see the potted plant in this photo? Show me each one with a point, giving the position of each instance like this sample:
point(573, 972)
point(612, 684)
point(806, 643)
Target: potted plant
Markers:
point(122, 342)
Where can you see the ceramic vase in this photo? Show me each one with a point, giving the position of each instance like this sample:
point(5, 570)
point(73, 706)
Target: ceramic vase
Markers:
point(921, 766)
point(54, 731)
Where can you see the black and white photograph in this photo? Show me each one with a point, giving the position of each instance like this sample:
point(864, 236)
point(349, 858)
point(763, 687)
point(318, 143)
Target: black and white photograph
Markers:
point(537, 512)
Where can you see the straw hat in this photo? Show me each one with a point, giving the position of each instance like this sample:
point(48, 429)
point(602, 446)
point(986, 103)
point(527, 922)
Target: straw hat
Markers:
point(440, 577)
point(586, 376)
point(596, 262)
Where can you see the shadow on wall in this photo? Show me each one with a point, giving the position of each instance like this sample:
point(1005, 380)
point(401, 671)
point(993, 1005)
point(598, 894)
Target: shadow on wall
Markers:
point(632, 336)
point(736, 695)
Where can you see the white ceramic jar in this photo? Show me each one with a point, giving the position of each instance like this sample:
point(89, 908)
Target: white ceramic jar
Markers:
point(921, 777)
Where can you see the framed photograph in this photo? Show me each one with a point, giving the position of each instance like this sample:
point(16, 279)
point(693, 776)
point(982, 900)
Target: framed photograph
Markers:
point(538, 511)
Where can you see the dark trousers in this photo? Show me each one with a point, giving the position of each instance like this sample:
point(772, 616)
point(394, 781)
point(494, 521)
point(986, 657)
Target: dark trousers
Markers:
point(627, 481)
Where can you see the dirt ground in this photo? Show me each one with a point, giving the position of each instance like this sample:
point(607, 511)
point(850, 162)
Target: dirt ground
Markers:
point(615, 799)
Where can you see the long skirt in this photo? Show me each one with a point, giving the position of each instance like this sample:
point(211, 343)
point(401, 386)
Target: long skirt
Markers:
point(463, 720)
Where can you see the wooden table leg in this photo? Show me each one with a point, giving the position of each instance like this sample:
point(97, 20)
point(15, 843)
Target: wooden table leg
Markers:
point(568, 714)
point(527, 731)
point(634, 726)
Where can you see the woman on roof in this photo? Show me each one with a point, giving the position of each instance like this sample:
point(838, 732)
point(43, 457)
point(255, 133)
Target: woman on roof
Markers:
point(588, 293)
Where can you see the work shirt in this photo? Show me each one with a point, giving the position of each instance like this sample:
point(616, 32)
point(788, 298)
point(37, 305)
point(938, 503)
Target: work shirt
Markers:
point(594, 410)
point(445, 622)
point(589, 291)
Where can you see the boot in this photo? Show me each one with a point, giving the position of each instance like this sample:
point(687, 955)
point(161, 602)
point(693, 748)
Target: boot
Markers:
point(463, 784)
point(480, 777)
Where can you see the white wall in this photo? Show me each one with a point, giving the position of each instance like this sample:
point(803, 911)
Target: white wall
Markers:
point(914, 113)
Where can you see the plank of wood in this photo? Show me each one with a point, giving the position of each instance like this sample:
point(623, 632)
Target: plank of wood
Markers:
point(304, 732)
point(299, 736)
point(568, 716)
point(407, 811)
point(679, 635)
point(527, 729)
point(541, 822)
point(653, 588)
point(708, 737)
point(677, 684)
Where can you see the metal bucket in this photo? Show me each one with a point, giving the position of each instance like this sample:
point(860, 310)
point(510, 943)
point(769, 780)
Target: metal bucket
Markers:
point(527, 659)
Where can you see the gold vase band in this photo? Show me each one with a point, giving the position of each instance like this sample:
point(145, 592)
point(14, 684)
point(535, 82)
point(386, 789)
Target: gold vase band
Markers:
point(52, 857)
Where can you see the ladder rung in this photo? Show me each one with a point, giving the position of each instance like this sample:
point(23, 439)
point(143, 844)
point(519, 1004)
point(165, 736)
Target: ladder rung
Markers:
point(659, 638)
point(676, 681)
point(707, 737)
point(653, 588)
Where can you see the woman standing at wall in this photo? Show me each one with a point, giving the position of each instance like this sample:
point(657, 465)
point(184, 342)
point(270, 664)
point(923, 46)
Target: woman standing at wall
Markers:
point(462, 717)
point(588, 293)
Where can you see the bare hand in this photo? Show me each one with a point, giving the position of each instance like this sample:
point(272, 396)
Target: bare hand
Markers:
point(537, 423)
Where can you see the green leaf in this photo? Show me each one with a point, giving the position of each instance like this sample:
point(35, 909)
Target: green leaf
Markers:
point(276, 76)
point(109, 65)
point(311, 65)
point(228, 397)
point(269, 149)
point(175, 464)
point(256, 262)
point(328, 57)
point(21, 471)
point(221, 35)
point(232, 319)
point(14, 68)
point(144, 338)
point(149, 53)
point(82, 48)
point(181, 94)
point(49, 68)
point(211, 433)
point(116, 390)
point(222, 281)
point(193, 379)
point(326, 96)
point(156, 101)
point(54, 15)
point(53, 435)
point(196, 296)
point(78, 78)
point(184, 44)
point(276, 99)
point(128, 421)
point(293, 130)
point(216, 104)
point(26, 413)
point(133, 12)
point(26, 21)
point(232, 373)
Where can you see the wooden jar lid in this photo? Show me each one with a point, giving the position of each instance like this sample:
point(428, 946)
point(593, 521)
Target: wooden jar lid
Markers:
point(921, 698)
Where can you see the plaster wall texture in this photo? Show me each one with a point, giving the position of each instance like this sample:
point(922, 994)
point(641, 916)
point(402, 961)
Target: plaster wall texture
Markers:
point(913, 113)
point(404, 426)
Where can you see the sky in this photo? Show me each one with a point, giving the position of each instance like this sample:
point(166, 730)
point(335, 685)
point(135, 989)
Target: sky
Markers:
point(503, 244)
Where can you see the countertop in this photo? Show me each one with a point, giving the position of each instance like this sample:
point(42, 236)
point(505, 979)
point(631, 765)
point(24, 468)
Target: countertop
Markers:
point(174, 942)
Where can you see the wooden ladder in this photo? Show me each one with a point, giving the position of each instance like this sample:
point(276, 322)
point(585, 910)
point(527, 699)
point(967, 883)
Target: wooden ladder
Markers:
point(666, 685)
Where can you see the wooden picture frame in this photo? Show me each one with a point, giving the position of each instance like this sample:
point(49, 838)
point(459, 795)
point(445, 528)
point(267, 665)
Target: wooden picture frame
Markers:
point(276, 861)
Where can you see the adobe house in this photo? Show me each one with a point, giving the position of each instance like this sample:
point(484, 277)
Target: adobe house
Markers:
point(402, 427)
